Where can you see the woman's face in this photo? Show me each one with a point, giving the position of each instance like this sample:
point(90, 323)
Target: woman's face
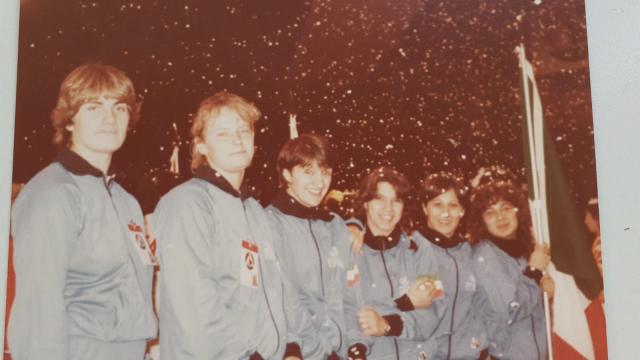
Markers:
point(308, 184)
point(444, 213)
point(501, 220)
point(384, 210)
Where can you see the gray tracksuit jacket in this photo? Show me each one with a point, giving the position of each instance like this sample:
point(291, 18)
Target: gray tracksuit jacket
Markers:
point(313, 248)
point(461, 335)
point(221, 293)
point(388, 267)
point(83, 290)
point(514, 307)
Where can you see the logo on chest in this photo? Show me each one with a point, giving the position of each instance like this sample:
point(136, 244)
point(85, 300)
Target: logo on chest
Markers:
point(334, 260)
point(249, 264)
point(140, 243)
point(470, 284)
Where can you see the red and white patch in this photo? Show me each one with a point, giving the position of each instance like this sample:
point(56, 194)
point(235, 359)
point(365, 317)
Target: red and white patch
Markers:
point(353, 276)
point(249, 264)
point(140, 243)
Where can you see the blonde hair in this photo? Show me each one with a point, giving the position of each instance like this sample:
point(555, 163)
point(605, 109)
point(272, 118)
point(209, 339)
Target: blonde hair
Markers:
point(87, 82)
point(208, 110)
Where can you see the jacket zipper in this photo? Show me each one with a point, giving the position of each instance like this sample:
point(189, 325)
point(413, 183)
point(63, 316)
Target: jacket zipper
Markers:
point(319, 257)
point(264, 288)
point(535, 339)
point(455, 301)
point(384, 263)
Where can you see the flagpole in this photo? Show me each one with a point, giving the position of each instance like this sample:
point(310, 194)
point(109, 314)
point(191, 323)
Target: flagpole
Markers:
point(536, 151)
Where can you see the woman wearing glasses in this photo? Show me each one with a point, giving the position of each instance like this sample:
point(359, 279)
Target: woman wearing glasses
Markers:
point(509, 270)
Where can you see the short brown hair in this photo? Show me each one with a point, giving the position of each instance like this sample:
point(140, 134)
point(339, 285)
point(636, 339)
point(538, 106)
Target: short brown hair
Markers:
point(302, 151)
point(369, 189)
point(87, 82)
point(490, 193)
point(210, 108)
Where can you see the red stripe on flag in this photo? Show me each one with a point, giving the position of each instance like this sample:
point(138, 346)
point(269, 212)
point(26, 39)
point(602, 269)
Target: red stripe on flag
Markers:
point(562, 349)
point(597, 328)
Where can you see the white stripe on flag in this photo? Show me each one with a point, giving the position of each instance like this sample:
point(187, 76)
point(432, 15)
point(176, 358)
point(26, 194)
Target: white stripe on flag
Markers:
point(569, 319)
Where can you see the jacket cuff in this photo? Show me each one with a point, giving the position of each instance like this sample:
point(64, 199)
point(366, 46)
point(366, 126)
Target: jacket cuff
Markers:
point(293, 349)
point(395, 322)
point(357, 351)
point(403, 303)
point(533, 273)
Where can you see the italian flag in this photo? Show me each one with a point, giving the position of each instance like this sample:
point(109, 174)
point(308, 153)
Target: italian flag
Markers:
point(577, 327)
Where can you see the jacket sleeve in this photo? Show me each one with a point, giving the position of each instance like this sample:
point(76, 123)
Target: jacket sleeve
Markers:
point(510, 294)
point(302, 332)
point(195, 310)
point(353, 303)
point(421, 324)
point(45, 225)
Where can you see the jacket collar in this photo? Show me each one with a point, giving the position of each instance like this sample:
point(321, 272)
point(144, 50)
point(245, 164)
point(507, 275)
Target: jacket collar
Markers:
point(382, 242)
point(441, 240)
point(290, 206)
point(514, 247)
point(77, 165)
point(207, 173)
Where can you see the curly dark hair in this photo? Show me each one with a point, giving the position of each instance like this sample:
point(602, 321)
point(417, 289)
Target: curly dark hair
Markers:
point(438, 183)
point(490, 193)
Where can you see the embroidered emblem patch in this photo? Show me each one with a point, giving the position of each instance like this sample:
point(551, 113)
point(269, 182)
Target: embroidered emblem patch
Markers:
point(144, 251)
point(249, 264)
point(334, 260)
point(353, 276)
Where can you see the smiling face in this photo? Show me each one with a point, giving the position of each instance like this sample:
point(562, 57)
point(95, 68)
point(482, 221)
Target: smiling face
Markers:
point(227, 143)
point(444, 213)
point(501, 219)
point(308, 184)
point(384, 210)
point(99, 127)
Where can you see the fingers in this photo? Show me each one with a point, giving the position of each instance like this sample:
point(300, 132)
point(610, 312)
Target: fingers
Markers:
point(357, 239)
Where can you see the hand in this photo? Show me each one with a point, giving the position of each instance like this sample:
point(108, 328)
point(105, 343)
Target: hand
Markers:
point(476, 179)
point(357, 239)
point(292, 358)
point(548, 285)
point(421, 293)
point(371, 323)
point(540, 257)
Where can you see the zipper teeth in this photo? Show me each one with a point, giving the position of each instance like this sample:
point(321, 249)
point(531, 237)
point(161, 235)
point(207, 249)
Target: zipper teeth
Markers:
point(264, 288)
point(455, 301)
point(315, 241)
point(395, 342)
point(535, 339)
point(384, 264)
point(339, 333)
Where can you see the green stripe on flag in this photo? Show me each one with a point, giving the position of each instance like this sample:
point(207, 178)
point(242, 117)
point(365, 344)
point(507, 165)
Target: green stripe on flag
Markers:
point(570, 244)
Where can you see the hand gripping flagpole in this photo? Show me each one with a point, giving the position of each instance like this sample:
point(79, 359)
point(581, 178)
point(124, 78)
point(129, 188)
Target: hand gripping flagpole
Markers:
point(293, 126)
point(174, 165)
point(535, 131)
